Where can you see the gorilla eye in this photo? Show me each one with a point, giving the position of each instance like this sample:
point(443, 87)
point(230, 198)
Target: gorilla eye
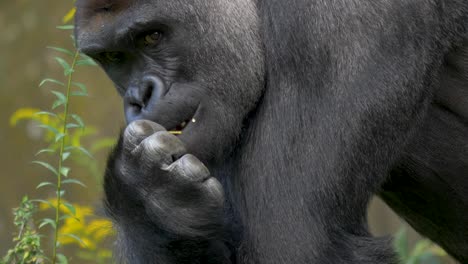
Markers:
point(152, 39)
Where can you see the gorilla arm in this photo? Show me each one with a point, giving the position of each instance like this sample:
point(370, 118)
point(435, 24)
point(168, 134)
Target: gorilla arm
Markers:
point(343, 99)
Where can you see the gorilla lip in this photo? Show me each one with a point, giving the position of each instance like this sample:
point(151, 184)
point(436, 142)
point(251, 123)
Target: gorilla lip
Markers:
point(178, 129)
point(181, 126)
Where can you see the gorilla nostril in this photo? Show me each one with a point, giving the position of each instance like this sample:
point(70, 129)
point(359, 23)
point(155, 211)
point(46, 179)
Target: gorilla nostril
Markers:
point(152, 90)
point(132, 104)
point(148, 92)
point(140, 100)
point(136, 107)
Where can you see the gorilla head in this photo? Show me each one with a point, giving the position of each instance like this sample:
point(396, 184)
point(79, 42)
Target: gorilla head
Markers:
point(173, 69)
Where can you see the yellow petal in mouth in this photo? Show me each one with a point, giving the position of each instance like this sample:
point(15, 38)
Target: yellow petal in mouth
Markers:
point(176, 132)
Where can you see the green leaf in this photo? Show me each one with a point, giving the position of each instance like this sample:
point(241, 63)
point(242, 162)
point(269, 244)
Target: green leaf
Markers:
point(70, 207)
point(72, 125)
point(62, 259)
point(66, 27)
point(86, 62)
point(67, 69)
point(401, 244)
point(79, 149)
point(62, 192)
point(78, 120)
point(61, 99)
point(25, 199)
point(73, 181)
point(67, 216)
point(68, 72)
point(49, 80)
point(47, 166)
point(85, 57)
point(76, 238)
point(64, 171)
point(50, 128)
point(428, 258)
point(57, 103)
point(65, 156)
point(59, 136)
point(62, 50)
point(63, 63)
point(47, 221)
point(78, 93)
point(43, 184)
point(45, 151)
point(81, 86)
point(45, 113)
point(421, 247)
point(60, 95)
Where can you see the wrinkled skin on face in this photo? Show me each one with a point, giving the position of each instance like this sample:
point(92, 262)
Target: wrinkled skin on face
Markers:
point(162, 57)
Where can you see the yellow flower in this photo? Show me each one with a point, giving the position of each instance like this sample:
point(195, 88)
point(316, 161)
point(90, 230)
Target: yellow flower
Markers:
point(69, 16)
point(84, 224)
point(100, 229)
point(28, 113)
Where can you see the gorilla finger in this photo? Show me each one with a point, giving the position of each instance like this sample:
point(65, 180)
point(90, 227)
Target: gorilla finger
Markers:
point(216, 190)
point(190, 168)
point(161, 148)
point(137, 131)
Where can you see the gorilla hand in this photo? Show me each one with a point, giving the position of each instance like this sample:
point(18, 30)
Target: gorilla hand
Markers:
point(153, 172)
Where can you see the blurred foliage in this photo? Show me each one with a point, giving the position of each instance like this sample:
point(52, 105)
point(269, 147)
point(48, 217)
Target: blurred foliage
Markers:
point(90, 232)
point(74, 225)
point(27, 249)
point(74, 138)
point(424, 252)
point(69, 16)
point(62, 131)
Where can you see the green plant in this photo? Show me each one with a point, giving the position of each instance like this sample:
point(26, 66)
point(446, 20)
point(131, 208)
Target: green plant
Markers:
point(424, 252)
point(72, 224)
point(27, 249)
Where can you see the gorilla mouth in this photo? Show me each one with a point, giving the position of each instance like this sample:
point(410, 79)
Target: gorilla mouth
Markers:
point(181, 126)
point(178, 129)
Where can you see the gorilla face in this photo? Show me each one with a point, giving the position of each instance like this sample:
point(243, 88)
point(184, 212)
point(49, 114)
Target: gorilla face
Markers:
point(178, 63)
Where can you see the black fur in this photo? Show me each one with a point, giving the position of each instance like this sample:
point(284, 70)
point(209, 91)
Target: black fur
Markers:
point(303, 111)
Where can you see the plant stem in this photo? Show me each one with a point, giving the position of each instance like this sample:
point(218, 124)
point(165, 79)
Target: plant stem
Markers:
point(62, 147)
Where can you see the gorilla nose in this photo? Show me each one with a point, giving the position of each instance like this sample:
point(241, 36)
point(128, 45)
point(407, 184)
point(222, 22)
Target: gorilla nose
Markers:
point(140, 100)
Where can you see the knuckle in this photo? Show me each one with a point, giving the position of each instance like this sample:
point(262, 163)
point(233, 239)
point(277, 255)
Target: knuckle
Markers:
point(155, 148)
point(138, 130)
point(190, 161)
point(215, 188)
point(191, 167)
point(160, 141)
point(164, 142)
point(160, 148)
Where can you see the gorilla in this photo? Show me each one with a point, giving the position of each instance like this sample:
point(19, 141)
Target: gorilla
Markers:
point(258, 130)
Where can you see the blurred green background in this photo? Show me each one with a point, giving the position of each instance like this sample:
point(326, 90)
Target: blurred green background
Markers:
point(26, 28)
